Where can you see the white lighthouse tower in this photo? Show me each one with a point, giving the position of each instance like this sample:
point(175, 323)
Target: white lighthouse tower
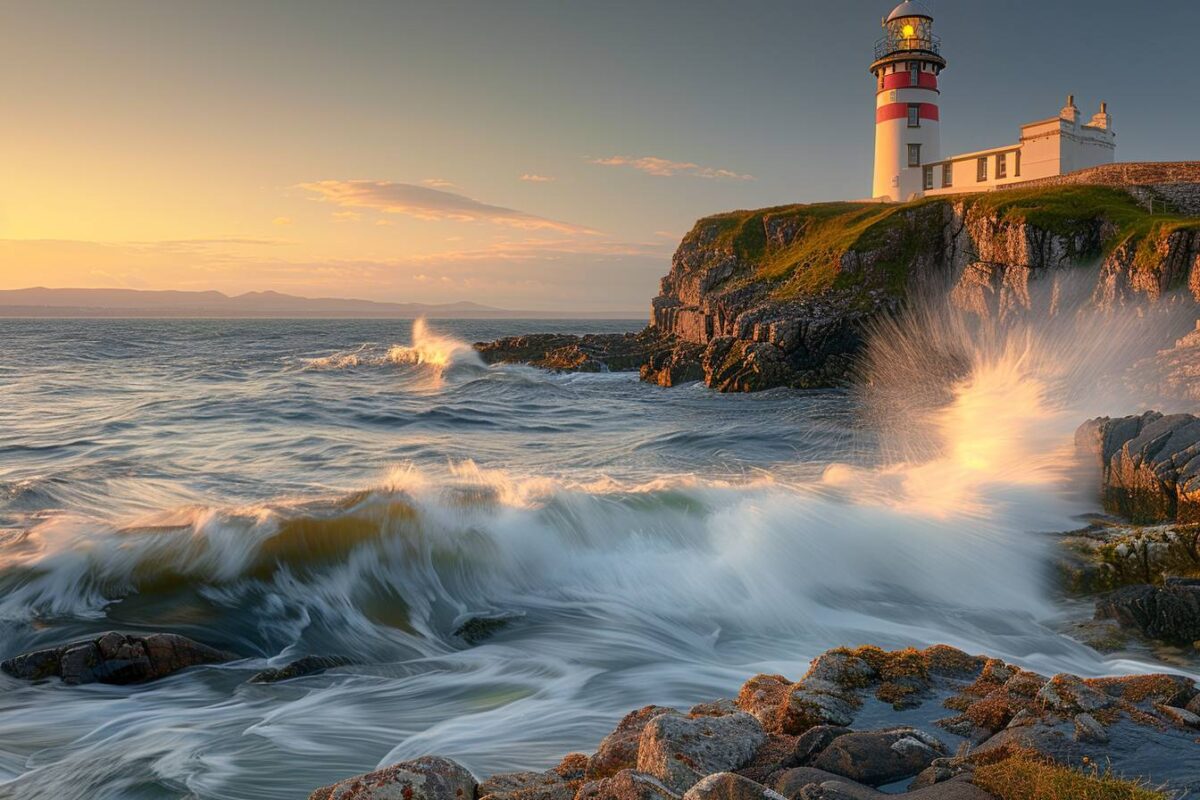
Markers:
point(907, 64)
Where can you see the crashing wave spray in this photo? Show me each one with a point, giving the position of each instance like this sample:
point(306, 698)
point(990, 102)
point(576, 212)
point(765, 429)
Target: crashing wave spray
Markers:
point(433, 350)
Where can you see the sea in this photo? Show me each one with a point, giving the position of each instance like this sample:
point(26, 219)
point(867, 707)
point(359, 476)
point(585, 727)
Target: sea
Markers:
point(364, 489)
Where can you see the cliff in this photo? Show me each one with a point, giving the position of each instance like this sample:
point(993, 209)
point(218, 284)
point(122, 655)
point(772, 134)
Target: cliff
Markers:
point(784, 296)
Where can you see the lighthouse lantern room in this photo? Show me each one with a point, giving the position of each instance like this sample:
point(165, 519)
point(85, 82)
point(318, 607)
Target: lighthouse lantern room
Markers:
point(907, 64)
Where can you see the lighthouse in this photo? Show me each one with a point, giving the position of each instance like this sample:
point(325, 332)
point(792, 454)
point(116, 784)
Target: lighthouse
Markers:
point(907, 64)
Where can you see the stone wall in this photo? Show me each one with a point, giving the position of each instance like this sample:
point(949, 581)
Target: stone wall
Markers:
point(1176, 183)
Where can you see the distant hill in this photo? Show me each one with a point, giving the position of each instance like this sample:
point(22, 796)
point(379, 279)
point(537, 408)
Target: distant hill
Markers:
point(42, 302)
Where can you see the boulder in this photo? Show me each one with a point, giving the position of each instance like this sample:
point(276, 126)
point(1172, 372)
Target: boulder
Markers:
point(728, 786)
point(115, 658)
point(1150, 465)
point(793, 782)
point(1170, 613)
point(619, 750)
point(878, 757)
point(308, 665)
point(680, 750)
point(813, 741)
point(765, 697)
point(426, 778)
point(478, 629)
point(626, 784)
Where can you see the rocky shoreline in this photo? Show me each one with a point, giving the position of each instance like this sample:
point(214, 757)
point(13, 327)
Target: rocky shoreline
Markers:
point(933, 724)
point(787, 296)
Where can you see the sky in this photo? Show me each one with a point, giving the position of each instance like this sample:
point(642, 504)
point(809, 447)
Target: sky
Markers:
point(528, 154)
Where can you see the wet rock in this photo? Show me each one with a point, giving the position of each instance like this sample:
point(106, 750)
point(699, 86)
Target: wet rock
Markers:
point(679, 364)
point(715, 708)
point(549, 785)
point(728, 786)
point(1068, 694)
point(777, 753)
point(1170, 613)
point(426, 778)
point(572, 767)
point(1179, 716)
point(793, 783)
point(941, 770)
point(595, 352)
point(878, 757)
point(478, 629)
point(813, 741)
point(681, 750)
point(115, 658)
point(1194, 705)
point(619, 750)
point(1089, 729)
point(820, 704)
point(308, 665)
point(765, 697)
point(626, 784)
point(1150, 465)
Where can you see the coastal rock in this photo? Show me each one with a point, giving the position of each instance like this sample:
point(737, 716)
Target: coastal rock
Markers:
point(627, 784)
point(878, 757)
point(478, 629)
point(426, 778)
point(549, 785)
point(308, 665)
point(619, 750)
point(765, 698)
point(787, 296)
point(594, 352)
point(1170, 613)
point(115, 658)
point(1150, 465)
point(680, 750)
point(728, 786)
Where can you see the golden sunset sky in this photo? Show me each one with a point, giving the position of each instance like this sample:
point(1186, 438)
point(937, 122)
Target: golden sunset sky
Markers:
point(528, 153)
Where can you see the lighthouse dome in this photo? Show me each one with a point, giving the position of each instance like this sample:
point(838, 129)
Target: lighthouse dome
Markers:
point(909, 8)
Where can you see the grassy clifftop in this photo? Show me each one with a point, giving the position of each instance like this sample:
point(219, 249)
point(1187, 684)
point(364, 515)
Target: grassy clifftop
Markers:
point(806, 254)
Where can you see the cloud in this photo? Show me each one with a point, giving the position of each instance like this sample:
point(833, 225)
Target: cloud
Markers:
point(665, 168)
point(437, 183)
point(282, 221)
point(533, 177)
point(426, 203)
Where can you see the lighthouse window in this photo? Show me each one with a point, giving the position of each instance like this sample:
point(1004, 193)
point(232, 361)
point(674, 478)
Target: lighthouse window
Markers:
point(914, 155)
point(947, 174)
point(1002, 166)
point(913, 78)
point(981, 170)
point(914, 115)
point(929, 177)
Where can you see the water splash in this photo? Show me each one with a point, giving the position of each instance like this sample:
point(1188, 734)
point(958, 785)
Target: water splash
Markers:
point(434, 350)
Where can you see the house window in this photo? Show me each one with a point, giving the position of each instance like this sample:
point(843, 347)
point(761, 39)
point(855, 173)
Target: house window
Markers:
point(914, 155)
point(1017, 165)
point(914, 115)
point(981, 170)
point(929, 177)
point(1001, 166)
point(947, 174)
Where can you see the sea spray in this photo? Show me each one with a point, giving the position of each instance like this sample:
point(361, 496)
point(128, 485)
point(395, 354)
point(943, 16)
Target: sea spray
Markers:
point(645, 545)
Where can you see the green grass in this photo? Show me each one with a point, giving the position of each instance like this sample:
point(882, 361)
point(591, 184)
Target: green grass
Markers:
point(1024, 776)
point(899, 232)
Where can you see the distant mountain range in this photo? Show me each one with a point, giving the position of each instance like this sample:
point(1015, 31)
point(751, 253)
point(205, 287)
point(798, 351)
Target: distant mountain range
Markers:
point(43, 302)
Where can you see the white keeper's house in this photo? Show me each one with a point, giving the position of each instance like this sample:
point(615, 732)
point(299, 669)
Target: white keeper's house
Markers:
point(908, 159)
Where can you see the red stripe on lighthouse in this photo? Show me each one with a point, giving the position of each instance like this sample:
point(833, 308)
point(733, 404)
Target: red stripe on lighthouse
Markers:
point(903, 80)
point(900, 111)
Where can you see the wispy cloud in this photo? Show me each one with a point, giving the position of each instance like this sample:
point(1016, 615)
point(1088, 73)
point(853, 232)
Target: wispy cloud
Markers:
point(422, 202)
point(533, 177)
point(282, 221)
point(437, 183)
point(665, 168)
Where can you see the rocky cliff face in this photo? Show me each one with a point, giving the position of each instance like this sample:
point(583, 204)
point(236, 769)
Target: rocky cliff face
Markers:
point(784, 296)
